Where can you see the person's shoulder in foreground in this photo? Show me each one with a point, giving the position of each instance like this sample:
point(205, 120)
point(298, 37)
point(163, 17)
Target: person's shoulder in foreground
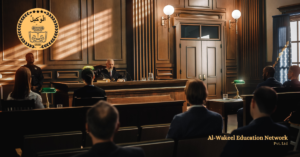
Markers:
point(111, 150)
point(258, 138)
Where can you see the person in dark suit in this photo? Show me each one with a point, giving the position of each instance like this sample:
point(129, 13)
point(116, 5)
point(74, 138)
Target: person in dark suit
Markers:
point(269, 81)
point(89, 90)
point(197, 121)
point(102, 124)
point(293, 76)
point(110, 72)
point(36, 74)
point(262, 105)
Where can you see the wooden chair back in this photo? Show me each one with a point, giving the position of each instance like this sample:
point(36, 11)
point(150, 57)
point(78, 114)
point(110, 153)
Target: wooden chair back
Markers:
point(87, 101)
point(17, 105)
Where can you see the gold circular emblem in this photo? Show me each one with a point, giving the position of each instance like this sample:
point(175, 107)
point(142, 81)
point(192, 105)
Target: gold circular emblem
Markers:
point(37, 29)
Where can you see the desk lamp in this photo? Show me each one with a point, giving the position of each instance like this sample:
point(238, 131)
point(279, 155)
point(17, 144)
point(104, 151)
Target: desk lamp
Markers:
point(88, 67)
point(237, 82)
point(48, 90)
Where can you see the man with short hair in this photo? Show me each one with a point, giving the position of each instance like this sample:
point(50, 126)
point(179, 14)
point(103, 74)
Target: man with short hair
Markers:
point(110, 72)
point(293, 76)
point(268, 77)
point(262, 105)
point(89, 90)
point(269, 81)
point(36, 74)
point(102, 124)
point(197, 121)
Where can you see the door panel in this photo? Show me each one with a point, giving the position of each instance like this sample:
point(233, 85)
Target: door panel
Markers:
point(190, 59)
point(212, 68)
point(202, 60)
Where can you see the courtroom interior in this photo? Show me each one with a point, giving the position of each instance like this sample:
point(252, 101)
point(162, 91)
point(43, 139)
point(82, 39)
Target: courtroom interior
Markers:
point(154, 78)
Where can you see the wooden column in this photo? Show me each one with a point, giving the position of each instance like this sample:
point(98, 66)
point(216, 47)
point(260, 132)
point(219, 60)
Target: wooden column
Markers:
point(143, 38)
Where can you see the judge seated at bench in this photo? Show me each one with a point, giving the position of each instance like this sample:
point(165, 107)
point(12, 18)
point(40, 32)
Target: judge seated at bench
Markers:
point(109, 72)
point(102, 124)
point(89, 90)
point(293, 76)
point(197, 121)
point(259, 130)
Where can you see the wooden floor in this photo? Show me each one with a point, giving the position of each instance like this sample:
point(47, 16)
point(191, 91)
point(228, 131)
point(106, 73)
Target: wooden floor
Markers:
point(232, 123)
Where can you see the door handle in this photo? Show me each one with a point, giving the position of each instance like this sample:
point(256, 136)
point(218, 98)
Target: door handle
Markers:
point(204, 78)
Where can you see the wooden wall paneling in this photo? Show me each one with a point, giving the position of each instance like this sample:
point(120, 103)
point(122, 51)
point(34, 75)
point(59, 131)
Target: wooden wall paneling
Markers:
point(143, 38)
point(70, 47)
point(108, 24)
point(164, 73)
point(221, 4)
point(47, 74)
point(8, 75)
point(12, 51)
point(67, 74)
point(252, 44)
point(201, 4)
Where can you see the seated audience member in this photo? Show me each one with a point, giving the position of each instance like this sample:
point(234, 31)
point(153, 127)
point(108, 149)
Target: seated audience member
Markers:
point(89, 90)
point(293, 76)
point(262, 105)
point(197, 121)
point(269, 80)
point(102, 124)
point(22, 88)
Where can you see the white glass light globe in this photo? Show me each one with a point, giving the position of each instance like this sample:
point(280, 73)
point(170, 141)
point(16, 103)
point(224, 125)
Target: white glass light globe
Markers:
point(236, 14)
point(168, 10)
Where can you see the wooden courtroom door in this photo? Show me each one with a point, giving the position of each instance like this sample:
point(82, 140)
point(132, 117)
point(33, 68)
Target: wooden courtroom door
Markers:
point(202, 60)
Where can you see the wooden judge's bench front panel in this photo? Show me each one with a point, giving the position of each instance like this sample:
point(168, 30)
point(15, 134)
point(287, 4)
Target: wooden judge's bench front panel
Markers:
point(127, 92)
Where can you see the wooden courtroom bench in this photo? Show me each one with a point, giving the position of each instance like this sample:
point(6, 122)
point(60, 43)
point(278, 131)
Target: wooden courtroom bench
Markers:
point(47, 142)
point(53, 120)
point(287, 102)
point(200, 147)
point(154, 132)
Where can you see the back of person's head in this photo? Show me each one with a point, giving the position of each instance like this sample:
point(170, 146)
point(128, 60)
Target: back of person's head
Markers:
point(266, 99)
point(269, 71)
point(87, 75)
point(295, 69)
point(22, 83)
point(196, 92)
point(102, 120)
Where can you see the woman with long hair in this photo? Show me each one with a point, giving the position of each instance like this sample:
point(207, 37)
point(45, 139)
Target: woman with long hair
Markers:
point(22, 88)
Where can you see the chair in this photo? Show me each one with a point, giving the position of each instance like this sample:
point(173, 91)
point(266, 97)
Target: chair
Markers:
point(62, 153)
point(293, 154)
point(87, 101)
point(124, 135)
point(296, 143)
point(158, 148)
point(200, 147)
point(17, 105)
point(48, 142)
point(154, 132)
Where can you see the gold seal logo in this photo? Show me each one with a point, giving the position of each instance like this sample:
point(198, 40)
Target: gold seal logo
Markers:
point(37, 29)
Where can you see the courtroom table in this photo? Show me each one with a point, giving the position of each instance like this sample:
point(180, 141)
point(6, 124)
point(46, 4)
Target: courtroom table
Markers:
point(126, 92)
point(224, 107)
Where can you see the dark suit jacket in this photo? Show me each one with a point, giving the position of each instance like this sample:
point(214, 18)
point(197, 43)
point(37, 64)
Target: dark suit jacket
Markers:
point(109, 149)
point(106, 74)
point(89, 91)
point(196, 122)
point(291, 83)
point(270, 82)
point(258, 127)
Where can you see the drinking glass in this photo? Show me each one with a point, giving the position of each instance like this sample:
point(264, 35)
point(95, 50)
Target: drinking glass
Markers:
point(150, 77)
point(225, 96)
point(59, 105)
point(143, 79)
